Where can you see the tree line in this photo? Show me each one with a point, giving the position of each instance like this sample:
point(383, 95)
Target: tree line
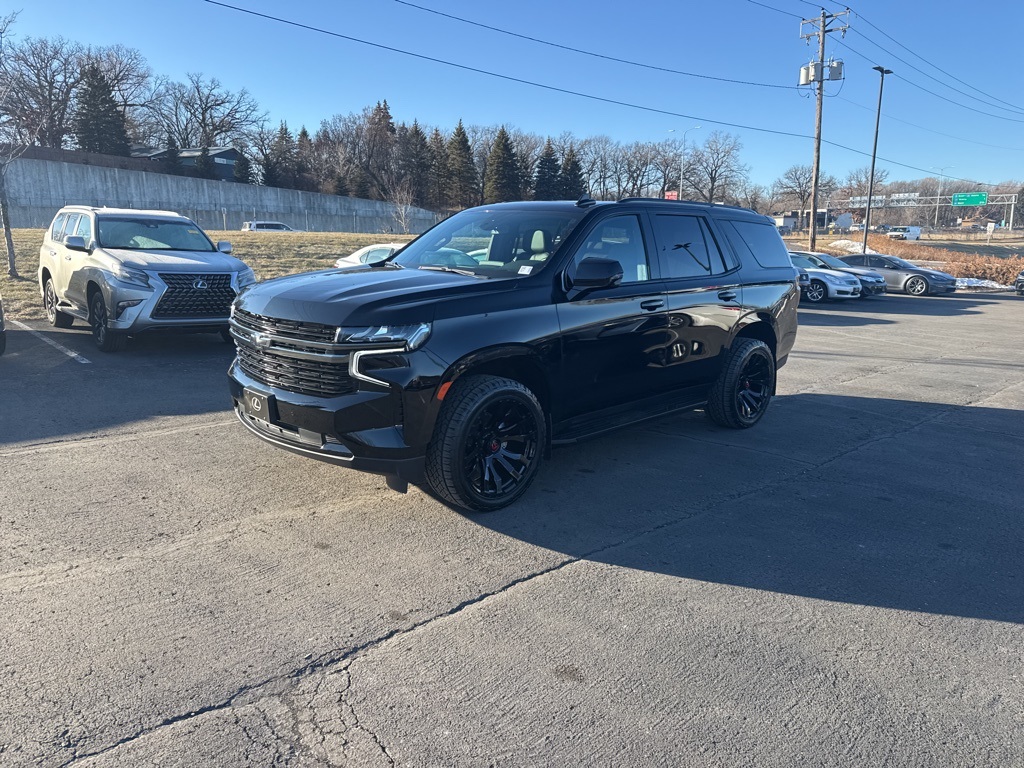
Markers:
point(56, 92)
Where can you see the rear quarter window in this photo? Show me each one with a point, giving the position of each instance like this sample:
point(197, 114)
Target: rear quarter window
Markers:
point(758, 241)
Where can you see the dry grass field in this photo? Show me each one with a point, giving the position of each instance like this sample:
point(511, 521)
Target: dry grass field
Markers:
point(272, 254)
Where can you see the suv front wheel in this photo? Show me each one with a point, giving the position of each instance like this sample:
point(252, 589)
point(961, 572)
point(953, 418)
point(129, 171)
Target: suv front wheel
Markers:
point(487, 444)
point(106, 339)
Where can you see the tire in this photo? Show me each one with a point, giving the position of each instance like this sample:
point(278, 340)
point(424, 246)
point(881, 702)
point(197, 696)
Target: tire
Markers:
point(916, 286)
point(106, 339)
point(54, 316)
point(743, 390)
point(477, 460)
point(3, 342)
point(816, 292)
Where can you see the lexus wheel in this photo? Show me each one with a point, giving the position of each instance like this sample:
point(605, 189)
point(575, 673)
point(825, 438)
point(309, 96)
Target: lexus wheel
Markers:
point(54, 316)
point(916, 286)
point(743, 390)
point(487, 444)
point(106, 339)
point(816, 292)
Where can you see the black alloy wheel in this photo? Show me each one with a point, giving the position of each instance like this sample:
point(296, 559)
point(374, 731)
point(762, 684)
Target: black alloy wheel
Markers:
point(816, 292)
point(916, 286)
point(54, 316)
point(741, 394)
point(106, 339)
point(488, 443)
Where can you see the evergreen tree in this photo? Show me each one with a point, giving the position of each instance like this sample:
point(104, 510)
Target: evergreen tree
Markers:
point(98, 123)
point(279, 166)
point(359, 184)
point(380, 151)
point(305, 159)
point(502, 182)
point(204, 164)
point(463, 183)
point(171, 161)
point(440, 178)
point(243, 170)
point(571, 183)
point(340, 186)
point(414, 162)
point(547, 185)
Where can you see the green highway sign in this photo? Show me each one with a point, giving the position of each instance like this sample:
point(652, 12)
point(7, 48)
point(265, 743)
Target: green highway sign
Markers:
point(970, 198)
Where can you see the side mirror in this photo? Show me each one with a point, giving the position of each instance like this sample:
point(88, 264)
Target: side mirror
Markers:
point(596, 272)
point(76, 243)
point(224, 246)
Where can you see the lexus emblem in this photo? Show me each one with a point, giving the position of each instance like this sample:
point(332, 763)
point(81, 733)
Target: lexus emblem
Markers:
point(261, 340)
point(256, 404)
point(199, 284)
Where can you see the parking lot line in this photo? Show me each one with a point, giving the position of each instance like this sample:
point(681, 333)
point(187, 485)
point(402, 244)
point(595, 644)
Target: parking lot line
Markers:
point(60, 347)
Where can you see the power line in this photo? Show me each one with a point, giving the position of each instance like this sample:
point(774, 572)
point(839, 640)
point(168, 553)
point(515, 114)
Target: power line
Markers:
point(590, 53)
point(567, 91)
point(777, 10)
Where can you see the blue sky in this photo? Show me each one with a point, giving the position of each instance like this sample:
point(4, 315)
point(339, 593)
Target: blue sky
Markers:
point(304, 76)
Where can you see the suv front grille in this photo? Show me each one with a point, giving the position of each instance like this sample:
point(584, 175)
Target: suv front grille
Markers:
point(185, 299)
point(306, 377)
point(287, 329)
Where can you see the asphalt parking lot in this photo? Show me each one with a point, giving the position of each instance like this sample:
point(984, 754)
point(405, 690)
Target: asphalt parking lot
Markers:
point(843, 585)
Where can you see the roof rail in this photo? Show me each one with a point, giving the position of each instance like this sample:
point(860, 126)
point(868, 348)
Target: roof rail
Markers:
point(687, 202)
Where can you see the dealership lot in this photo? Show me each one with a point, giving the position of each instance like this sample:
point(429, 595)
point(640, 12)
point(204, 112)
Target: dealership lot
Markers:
point(841, 585)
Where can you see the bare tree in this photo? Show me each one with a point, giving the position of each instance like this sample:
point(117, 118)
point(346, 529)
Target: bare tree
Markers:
point(133, 87)
point(202, 113)
point(716, 170)
point(41, 75)
point(856, 183)
point(757, 197)
point(401, 199)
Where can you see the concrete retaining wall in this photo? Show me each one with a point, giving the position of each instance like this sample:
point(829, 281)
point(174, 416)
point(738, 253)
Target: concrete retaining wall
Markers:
point(37, 188)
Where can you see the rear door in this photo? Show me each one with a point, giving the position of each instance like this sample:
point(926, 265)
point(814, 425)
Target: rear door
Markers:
point(613, 338)
point(63, 257)
point(704, 296)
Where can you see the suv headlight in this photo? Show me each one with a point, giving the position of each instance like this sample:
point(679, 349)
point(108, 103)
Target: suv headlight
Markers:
point(129, 275)
point(246, 277)
point(409, 336)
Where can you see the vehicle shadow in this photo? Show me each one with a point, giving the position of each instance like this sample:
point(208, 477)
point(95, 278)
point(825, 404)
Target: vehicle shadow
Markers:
point(49, 395)
point(860, 311)
point(872, 511)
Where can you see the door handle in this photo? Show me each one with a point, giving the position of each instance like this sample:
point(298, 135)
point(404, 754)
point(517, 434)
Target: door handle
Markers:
point(67, 257)
point(53, 253)
point(727, 295)
point(652, 304)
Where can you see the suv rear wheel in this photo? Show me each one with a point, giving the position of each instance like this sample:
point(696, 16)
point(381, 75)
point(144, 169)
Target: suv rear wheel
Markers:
point(54, 316)
point(740, 396)
point(487, 444)
point(106, 339)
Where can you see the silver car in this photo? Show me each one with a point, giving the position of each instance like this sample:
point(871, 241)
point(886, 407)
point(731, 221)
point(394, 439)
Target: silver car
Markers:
point(825, 283)
point(127, 271)
point(871, 282)
point(901, 275)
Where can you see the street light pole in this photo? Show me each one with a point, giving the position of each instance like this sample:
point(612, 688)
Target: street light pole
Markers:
point(682, 158)
point(938, 197)
point(874, 151)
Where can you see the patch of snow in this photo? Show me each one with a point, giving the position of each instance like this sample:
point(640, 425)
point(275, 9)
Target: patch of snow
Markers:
point(974, 282)
point(849, 246)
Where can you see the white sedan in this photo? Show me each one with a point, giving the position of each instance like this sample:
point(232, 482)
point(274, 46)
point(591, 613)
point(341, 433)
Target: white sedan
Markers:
point(826, 283)
point(369, 254)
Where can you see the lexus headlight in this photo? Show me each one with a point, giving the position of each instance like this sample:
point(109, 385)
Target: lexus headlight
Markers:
point(409, 336)
point(246, 277)
point(129, 275)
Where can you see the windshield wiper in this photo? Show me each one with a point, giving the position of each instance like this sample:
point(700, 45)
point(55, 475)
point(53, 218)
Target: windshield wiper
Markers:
point(438, 268)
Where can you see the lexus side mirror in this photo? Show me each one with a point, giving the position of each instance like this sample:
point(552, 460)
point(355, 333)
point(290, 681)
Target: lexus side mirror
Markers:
point(76, 243)
point(596, 272)
point(224, 246)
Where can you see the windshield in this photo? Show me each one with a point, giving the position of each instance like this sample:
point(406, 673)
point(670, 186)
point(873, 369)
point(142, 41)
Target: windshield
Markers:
point(150, 234)
point(802, 261)
point(832, 262)
point(899, 262)
point(492, 243)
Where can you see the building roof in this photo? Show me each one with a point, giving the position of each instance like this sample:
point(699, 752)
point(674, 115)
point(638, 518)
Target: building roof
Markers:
point(186, 152)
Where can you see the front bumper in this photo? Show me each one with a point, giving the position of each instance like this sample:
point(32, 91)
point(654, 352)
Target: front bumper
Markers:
point(872, 289)
point(139, 317)
point(939, 288)
point(843, 291)
point(1019, 287)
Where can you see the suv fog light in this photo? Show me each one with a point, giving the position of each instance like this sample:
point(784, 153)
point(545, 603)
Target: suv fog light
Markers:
point(123, 305)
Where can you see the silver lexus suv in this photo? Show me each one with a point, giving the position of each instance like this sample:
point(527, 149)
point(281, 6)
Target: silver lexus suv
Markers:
point(127, 271)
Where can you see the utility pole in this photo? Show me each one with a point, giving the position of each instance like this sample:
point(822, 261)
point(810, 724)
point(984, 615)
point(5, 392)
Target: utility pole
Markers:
point(815, 73)
point(874, 151)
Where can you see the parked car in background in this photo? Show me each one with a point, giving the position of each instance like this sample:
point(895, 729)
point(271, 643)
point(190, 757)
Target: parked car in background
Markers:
point(128, 271)
point(369, 254)
point(871, 282)
point(3, 328)
point(578, 317)
point(266, 226)
point(901, 275)
point(825, 283)
point(803, 279)
point(1018, 285)
point(904, 233)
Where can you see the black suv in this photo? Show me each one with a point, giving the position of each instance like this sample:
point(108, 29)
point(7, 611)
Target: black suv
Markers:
point(509, 328)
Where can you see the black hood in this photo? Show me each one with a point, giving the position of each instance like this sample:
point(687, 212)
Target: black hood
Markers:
point(362, 296)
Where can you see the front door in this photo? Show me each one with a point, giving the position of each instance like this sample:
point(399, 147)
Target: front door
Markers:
point(613, 339)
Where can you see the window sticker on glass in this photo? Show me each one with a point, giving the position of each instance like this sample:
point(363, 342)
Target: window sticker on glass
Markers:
point(525, 269)
point(641, 271)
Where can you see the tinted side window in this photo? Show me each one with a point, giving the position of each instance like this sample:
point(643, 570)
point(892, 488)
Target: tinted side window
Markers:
point(854, 261)
point(687, 247)
point(874, 261)
point(84, 229)
point(620, 238)
point(58, 226)
point(760, 241)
